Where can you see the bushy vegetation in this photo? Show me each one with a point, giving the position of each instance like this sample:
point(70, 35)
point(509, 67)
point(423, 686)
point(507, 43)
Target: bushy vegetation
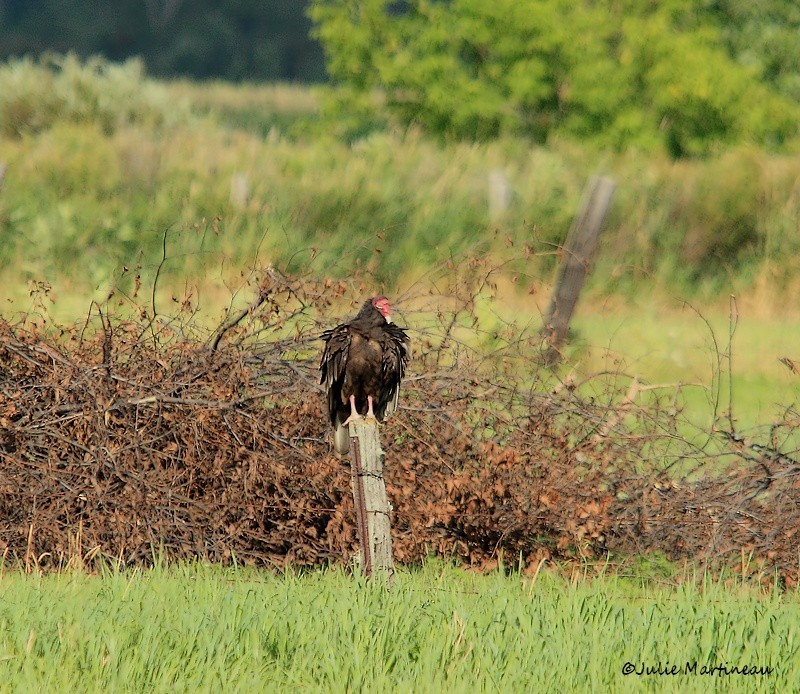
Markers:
point(202, 628)
point(763, 36)
point(102, 173)
point(619, 74)
point(37, 94)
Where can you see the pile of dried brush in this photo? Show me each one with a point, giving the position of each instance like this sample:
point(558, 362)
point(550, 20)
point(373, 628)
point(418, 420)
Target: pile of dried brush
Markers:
point(122, 439)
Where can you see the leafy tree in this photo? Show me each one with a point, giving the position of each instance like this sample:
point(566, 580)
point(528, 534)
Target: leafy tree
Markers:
point(620, 73)
point(763, 34)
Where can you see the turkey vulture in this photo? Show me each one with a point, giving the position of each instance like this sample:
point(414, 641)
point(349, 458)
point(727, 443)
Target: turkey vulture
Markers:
point(362, 364)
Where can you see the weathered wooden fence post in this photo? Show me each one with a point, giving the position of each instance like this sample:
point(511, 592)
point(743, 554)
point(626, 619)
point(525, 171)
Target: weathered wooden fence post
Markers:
point(370, 500)
point(579, 251)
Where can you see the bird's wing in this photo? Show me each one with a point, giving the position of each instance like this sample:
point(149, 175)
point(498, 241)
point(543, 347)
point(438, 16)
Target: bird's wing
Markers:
point(395, 358)
point(334, 364)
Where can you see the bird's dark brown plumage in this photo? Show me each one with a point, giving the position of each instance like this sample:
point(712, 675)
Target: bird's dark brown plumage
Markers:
point(363, 358)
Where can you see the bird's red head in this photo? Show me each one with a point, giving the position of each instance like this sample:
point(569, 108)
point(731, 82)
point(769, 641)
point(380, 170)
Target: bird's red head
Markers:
point(382, 304)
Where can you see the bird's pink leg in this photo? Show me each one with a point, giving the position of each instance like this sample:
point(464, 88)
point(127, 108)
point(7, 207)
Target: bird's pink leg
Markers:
point(370, 413)
point(354, 416)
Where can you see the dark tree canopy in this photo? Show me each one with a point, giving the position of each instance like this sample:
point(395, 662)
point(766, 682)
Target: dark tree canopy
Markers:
point(233, 39)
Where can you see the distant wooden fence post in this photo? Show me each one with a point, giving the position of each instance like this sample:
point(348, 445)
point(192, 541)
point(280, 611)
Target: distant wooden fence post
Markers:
point(370, 499)
point(579, 251)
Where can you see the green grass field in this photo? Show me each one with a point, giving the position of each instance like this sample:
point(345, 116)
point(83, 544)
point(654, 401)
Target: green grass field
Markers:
point(666, 343)
point(200, 628)
point(722, 352)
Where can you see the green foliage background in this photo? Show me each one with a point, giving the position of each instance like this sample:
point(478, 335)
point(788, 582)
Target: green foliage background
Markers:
point(103, 161)
point(680, 75)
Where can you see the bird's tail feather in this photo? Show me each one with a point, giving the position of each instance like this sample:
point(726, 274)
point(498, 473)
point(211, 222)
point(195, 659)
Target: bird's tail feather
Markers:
point(341, 439)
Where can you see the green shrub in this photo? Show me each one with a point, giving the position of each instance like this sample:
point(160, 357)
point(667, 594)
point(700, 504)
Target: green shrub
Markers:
point(36, 94)
point(722, 211)
point(617, 74)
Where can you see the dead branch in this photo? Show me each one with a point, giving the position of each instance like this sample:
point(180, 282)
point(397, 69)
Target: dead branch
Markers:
point(226, 452)
point(263, 293)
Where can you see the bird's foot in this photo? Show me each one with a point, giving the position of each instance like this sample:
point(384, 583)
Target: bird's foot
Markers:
point(355, 417)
